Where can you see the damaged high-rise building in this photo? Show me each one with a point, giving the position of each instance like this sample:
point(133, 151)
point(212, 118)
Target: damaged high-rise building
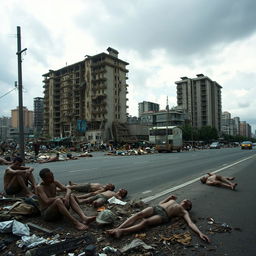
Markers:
point(87, 99)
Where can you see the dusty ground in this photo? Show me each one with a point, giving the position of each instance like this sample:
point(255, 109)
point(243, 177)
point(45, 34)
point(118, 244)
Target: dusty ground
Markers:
point(173, 238)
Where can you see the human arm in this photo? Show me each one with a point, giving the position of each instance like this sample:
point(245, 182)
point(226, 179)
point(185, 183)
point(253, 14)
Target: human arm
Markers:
point(9, 170)
point(61, 187)
point(171, 197)
point(210, 174)
point(43, 197)
point(193, 226)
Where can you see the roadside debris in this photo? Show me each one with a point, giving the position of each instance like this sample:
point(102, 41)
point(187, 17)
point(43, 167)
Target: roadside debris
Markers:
point(15, 227)
point(67, 245)
point(114, 200)
point(33, 241)
point(106, 217)
point(218, 227)
point(135, 244)
point(184, 238)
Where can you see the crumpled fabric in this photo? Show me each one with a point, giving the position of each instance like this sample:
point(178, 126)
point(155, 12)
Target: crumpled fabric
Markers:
point(135, 243)
point(15, 227)
point(33, 241)
point(114, 200)
point(184, 238)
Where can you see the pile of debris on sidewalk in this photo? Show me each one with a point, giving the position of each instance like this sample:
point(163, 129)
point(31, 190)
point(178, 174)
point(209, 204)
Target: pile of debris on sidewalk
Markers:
point(27, 234)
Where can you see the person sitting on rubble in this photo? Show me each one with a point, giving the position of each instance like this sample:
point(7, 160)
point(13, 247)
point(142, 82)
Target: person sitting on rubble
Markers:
point(51, 159)
point(91, 189)
point(18, 177)
point(53, 207)
point(102, 198)
point(4, 161)
point(156, 215)
point(219, 181)
point(71, 157)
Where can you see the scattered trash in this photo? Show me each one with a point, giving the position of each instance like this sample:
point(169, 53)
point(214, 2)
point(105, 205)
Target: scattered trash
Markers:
point(134, 244)
point(109, 249)
point(15, 227)
point(100, 209)
point(32, 225)
point(184, 238)
point(218, 227)
point(141, 235)
point(106, 217)
point(67, 245)
point(90, 250)
point(114, 200)
point(33, 241)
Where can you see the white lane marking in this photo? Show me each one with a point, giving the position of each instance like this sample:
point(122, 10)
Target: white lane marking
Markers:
point(146, 192)
point(150, 198)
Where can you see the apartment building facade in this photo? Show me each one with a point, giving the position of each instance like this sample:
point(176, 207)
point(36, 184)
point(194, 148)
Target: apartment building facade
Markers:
point(227, 124)
point(38, 115)
point(147, 106)
point(87, 99)
point(245, 129)
point(201, 98)
point(5, 124)
point(28, 118)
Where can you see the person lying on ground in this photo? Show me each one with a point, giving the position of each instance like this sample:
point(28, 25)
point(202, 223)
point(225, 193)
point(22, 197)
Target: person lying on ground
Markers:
point(156, 215)
point(71, 157)
point(102, 198)
point(18, 177)
point(51, 159)
point(4, 161)
point(86, 154)
point(91, 189)
point(218, 180)
point(53, 207)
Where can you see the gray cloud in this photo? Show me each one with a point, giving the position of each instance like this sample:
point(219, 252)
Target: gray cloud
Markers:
point(183, 28)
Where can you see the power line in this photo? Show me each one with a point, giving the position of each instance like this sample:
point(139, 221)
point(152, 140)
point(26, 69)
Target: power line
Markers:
point(7, 93)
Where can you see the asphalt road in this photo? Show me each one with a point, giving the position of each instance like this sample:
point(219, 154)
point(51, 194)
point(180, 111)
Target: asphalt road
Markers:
point(152, 177)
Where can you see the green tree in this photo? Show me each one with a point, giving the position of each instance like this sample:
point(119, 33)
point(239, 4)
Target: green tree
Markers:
point(208, 133)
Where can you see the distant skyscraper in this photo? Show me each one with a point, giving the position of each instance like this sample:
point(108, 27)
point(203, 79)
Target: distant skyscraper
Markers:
point(245, 129)
point(227, 124)
point(147, 106)
point(5, 123)
point(237, 125)
point(201, 98)
point(38, 114)
point(28, 117)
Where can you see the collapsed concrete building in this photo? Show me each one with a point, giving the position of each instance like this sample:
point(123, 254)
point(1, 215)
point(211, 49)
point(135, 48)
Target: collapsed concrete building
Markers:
point(87, 99)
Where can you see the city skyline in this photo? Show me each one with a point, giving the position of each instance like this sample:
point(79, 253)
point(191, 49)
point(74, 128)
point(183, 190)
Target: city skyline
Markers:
point(217, 39)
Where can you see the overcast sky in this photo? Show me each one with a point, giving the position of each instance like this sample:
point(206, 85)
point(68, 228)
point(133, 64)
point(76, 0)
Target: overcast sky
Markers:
point(162, 40)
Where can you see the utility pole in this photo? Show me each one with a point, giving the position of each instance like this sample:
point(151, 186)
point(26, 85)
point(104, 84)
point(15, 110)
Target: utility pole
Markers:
point(21, 123)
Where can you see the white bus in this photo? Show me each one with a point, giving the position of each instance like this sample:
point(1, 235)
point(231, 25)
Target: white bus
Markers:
point(166, 138)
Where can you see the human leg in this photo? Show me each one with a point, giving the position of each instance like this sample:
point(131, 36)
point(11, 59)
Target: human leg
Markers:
point(87, 200)
point(147, 212)
point(151, 221)
point(226, 181)
point(58, 207)
point(18, 181)
point(76, 208)
point(31, 179)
